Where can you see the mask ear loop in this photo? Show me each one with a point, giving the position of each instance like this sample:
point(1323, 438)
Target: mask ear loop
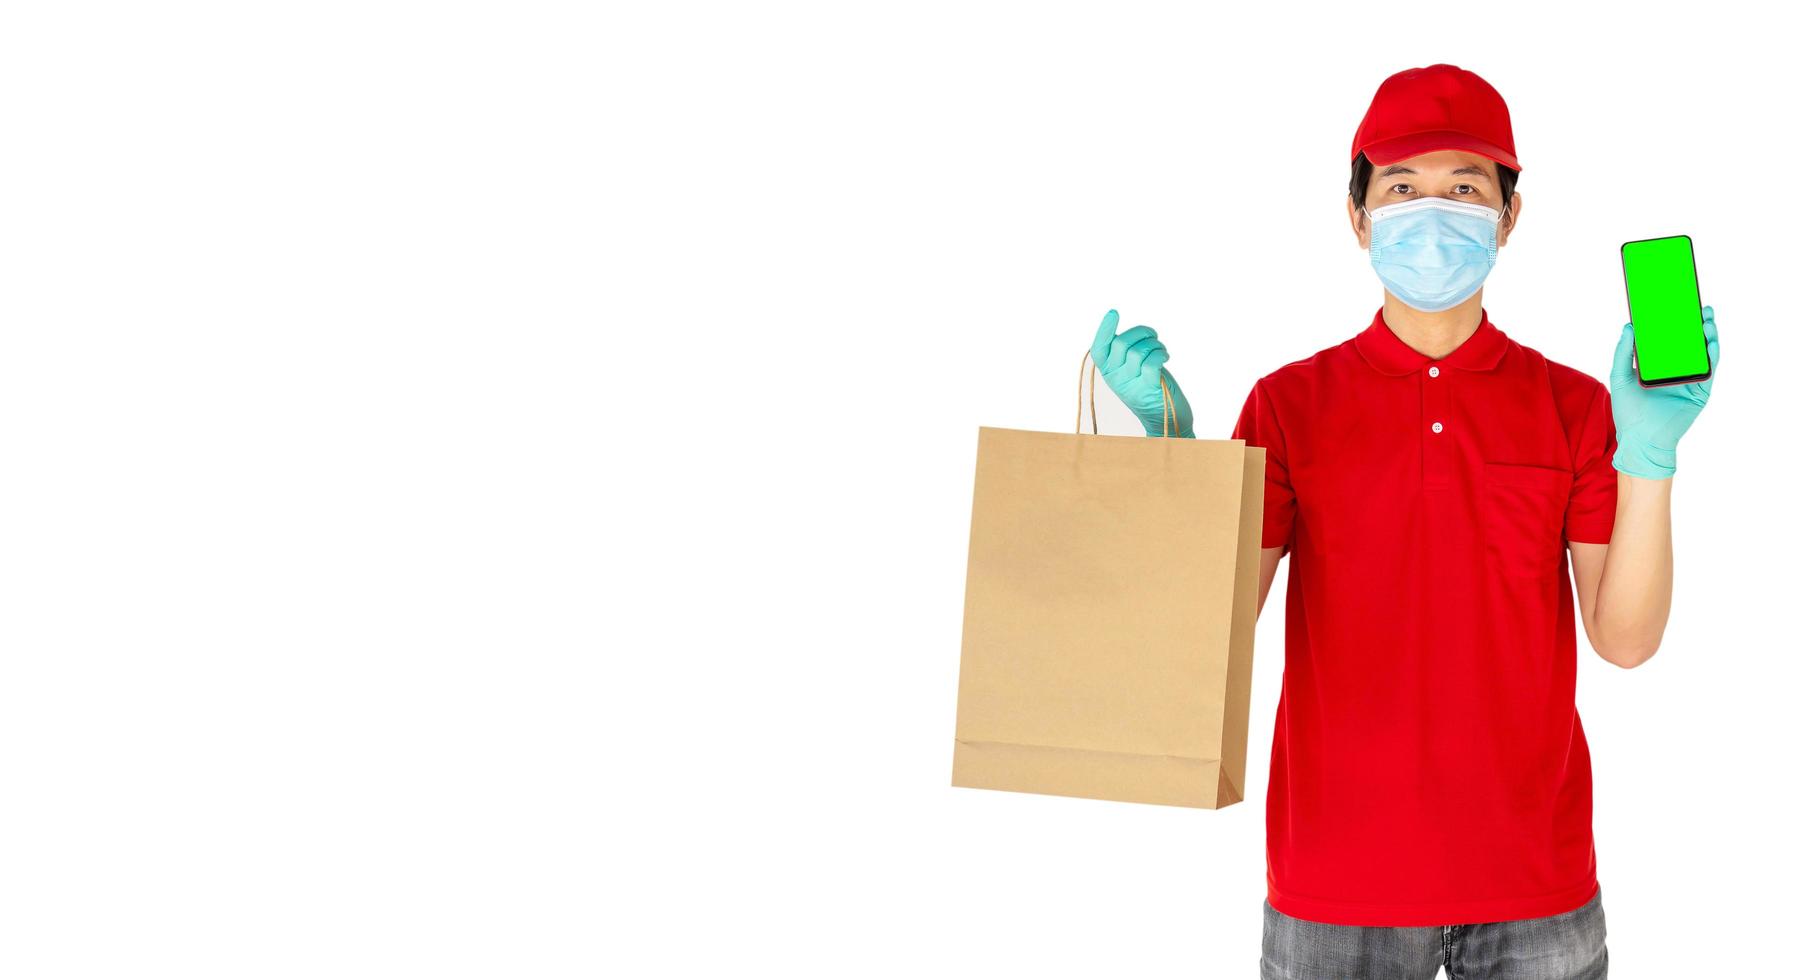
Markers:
point(1497, 229)
point(1370, 229)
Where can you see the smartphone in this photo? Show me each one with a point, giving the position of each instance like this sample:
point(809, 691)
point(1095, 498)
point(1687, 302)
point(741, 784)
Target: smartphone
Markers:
point(1666, 315)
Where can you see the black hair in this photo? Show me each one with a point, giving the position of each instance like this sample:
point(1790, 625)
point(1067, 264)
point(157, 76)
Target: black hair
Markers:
point(1362, 170)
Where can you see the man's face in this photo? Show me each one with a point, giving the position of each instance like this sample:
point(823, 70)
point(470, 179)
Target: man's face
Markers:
point(1456, 174)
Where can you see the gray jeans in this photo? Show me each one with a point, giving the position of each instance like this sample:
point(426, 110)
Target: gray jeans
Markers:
point(1568, 946)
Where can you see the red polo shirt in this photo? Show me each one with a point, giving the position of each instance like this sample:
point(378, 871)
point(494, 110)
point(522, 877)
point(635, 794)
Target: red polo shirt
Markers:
point(1428, 766)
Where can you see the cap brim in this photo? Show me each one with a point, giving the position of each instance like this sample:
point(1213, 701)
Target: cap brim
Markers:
point(1414, 144)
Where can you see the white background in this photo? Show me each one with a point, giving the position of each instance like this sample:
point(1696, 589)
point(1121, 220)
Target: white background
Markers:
point(484, 488)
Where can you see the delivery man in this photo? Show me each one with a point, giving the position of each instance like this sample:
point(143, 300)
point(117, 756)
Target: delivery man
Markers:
point(1430, 787)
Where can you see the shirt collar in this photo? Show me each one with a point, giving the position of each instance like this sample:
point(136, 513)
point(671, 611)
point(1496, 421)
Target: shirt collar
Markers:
point(1383, 350)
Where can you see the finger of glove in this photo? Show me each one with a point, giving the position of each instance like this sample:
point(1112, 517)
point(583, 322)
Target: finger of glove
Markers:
point(1711, 337)
point(1125, 371)
point(1623, 371)
point(1122, 344)
point(1102, 341)
point(1149, 371)
point(1136, 339)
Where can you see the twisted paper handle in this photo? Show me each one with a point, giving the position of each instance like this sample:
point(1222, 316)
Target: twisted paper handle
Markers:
point(1168, 400)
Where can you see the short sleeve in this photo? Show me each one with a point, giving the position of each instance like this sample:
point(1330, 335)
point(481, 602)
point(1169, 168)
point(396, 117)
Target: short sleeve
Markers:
point(1591, 511)
point(1259, 426)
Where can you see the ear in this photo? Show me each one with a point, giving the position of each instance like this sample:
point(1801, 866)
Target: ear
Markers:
point(1361, 224)
point(1508, 223)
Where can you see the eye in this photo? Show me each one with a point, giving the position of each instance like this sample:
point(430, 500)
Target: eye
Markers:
point(1396, 188)
point(1468, 187)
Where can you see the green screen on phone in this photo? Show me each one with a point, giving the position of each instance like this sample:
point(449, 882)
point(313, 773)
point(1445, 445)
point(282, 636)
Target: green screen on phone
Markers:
point(1665, 312)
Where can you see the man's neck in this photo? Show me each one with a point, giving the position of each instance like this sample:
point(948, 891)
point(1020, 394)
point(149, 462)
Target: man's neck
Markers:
point(1433, 334)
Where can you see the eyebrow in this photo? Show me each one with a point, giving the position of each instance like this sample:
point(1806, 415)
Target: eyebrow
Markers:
point(1394, 169)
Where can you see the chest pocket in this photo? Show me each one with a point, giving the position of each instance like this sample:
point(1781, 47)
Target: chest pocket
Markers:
point(1524, 516)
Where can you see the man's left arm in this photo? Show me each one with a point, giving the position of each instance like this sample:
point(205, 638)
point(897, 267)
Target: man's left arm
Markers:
point(1625, 586)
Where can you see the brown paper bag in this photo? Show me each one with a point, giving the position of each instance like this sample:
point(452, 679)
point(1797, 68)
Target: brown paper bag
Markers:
point(1111, 597)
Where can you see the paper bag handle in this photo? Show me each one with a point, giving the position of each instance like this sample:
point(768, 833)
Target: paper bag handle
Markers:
point(1168, 400)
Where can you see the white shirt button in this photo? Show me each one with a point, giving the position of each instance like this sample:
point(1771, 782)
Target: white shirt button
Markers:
point(1433, 372)
point(1436, 427)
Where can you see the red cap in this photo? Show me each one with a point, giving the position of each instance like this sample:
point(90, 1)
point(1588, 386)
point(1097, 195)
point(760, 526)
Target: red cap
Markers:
point(1440, 107)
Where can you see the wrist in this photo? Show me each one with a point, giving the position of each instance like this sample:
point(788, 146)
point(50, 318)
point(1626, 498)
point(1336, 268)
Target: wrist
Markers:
point(1642, 460)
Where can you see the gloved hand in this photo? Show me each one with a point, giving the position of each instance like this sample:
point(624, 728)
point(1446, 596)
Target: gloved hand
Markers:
point(1131, 364)
point(1650, 421)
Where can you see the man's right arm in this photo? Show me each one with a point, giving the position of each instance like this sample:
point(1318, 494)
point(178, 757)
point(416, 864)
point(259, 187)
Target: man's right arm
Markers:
point(1257, 425)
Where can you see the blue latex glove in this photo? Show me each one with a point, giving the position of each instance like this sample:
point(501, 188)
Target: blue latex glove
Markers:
point(1131, 364)
point(1650, 421)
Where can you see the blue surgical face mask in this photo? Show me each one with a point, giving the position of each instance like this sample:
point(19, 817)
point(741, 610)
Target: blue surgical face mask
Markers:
point(1434, 252)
